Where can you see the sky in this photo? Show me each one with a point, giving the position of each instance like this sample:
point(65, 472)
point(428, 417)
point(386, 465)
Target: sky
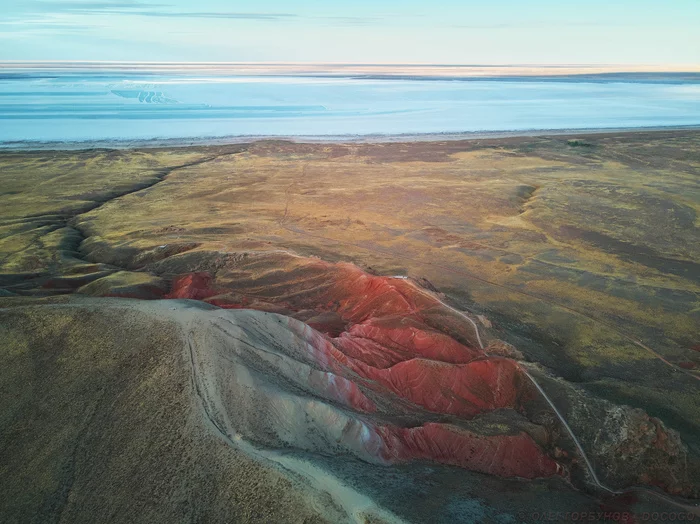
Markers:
point(357, 31)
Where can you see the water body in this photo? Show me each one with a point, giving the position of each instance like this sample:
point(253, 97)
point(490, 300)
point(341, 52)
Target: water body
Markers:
point(102, 106)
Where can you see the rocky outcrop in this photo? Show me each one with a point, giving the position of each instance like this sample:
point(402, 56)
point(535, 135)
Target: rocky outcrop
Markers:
point(630, 448)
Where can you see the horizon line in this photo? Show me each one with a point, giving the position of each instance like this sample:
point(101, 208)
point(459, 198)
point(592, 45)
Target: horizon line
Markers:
point(348, 63)
point(337, 69)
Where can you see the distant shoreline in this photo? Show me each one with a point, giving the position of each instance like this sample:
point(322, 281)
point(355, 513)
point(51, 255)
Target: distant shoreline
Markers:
point(331, 139)
point(416, 70)
point(364, 72)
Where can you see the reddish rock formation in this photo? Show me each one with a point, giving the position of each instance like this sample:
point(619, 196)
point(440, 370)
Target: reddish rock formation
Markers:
point(402, 339)
point(380, 321)
point(456, 389)
point(384, 337)
point(502, 455)
point(464, 390)
point(197, 286)
point(298, 284)
point(381, 333)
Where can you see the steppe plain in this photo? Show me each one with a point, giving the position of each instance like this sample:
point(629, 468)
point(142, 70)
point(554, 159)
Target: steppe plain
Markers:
point(572, 262)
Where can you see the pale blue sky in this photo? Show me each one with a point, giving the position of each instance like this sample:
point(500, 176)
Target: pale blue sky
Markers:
point(359, 31)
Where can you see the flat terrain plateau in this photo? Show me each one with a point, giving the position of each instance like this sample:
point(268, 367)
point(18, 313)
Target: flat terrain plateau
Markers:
point(578, 255)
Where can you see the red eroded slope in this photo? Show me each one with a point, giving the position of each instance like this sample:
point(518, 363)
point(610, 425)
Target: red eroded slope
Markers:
point(405, 320)
point(502, 455)
point(386, 339)
point(197, 286)
point(382, 335)
point(312, 284)
point(464, 390)
point(402, 339)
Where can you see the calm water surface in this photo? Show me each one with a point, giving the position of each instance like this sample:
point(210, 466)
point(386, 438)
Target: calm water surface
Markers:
point(99, 106)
